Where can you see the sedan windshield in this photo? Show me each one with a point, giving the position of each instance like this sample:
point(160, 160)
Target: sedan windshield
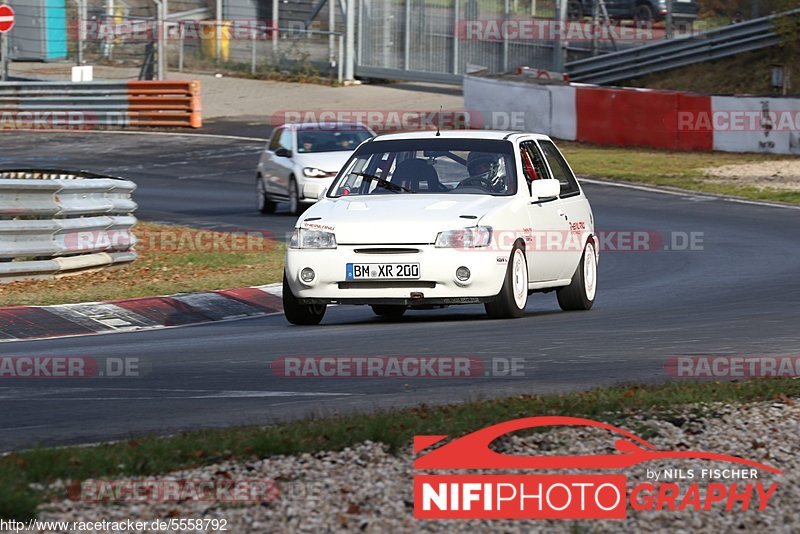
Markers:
point(330, 138)
point(429, 166)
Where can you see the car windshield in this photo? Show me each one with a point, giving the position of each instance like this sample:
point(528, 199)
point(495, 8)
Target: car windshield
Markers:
point(334, 138)
point(429, 166)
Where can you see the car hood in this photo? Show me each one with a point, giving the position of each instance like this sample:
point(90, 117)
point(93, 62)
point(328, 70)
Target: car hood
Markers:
point(397, 218)
point(326, 161)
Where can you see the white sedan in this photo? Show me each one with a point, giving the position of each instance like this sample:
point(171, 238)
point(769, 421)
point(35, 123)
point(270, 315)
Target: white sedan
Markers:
point(298, 154)
point(426, 220)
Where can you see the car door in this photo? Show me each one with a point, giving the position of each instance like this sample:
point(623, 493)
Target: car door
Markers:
point(269, 168)
point(277, 162)
point(548, 224)
point(284, 164)
point(572, 206)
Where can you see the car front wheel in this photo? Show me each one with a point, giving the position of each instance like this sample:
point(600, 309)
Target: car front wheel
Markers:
point(513, 296)
point(580, 293)
point(297, 313)
point(294, 198)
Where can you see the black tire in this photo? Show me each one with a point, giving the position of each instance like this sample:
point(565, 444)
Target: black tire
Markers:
point(390, 311)
point(574, 10)
point(297, 313)
point(505, 305)
point(295, 207)
point(577, 296)
point(265, 204)
point(643, 13)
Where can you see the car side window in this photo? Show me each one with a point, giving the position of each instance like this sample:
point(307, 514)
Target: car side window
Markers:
point(274, 143)
point(561, 171)
point(533, 166)
point(285, 140)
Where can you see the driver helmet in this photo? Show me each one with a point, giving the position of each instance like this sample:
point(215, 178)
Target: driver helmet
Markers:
point(479, 163)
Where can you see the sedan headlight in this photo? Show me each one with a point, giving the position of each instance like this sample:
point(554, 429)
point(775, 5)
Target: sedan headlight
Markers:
point(302, 238)
point(313, 172)
point(477, 236)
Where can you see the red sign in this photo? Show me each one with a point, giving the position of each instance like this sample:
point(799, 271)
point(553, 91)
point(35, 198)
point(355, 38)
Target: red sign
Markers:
point(6, 18)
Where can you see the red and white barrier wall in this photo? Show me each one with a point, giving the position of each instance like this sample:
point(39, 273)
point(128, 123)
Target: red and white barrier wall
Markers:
point(641, 117)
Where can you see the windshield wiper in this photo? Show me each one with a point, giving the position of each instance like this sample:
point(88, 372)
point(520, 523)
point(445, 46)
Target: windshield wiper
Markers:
point(382, 182)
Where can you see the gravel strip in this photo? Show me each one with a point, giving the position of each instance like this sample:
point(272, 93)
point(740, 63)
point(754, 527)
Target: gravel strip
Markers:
point(367, 489)
point(781, 174)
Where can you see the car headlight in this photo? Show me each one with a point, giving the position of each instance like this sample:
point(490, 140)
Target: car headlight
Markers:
point(477, 236)
point(302, 238)
point(313, 172)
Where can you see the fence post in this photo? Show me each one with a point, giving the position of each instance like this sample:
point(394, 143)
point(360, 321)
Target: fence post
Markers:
point(340, 74)
point(253, 33)
point(407, 37)
point(561, 16)
point(456, 10)
point(350, 37)
point(275, 14)
point(218, 31)
point(505, 36)
point(182, 40)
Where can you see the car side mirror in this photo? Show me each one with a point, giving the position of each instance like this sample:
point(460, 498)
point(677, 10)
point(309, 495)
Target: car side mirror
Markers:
point(283, 153)
point(314, 191)
point(545, 189)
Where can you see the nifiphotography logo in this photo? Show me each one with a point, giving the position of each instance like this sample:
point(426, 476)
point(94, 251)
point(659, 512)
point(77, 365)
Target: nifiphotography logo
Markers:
point(574, 496)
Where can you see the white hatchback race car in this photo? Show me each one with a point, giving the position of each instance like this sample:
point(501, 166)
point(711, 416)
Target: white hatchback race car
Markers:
point(427, 220)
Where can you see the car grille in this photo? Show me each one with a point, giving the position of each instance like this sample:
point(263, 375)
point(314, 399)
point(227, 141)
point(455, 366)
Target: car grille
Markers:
point(384, 250)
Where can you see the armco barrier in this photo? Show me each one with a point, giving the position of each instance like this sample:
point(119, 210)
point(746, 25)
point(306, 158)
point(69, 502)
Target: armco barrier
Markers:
point(55, 222)
point(86, 105)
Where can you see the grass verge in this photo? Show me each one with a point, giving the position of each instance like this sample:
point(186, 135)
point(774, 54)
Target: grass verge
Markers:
point(172, 259)
point(684, 170)
point(152, 455)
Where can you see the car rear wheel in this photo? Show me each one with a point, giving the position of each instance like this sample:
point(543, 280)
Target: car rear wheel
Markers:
point(265, 205)
point(297, 313)
point(390, 311)
point(580, 293)
point(511, 301)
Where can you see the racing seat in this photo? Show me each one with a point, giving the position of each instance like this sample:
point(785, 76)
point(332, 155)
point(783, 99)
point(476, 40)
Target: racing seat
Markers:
point(412, 172)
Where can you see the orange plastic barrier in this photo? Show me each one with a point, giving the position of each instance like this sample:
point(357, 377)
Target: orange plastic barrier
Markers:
point(165, 103)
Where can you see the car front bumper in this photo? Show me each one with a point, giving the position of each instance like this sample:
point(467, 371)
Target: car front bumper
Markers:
point(437, 284)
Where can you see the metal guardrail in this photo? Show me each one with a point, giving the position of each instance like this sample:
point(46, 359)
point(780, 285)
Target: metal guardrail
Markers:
point(55, 222)
point(665, 55)
point(83, 105)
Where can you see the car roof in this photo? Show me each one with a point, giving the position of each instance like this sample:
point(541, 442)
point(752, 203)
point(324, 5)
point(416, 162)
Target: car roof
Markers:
point(459, 134)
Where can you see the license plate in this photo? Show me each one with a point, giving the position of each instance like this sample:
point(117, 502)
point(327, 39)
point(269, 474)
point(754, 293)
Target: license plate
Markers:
point(382, 271)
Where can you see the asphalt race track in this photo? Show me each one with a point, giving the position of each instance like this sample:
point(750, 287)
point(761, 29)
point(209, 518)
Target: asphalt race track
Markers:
point(739, 295)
